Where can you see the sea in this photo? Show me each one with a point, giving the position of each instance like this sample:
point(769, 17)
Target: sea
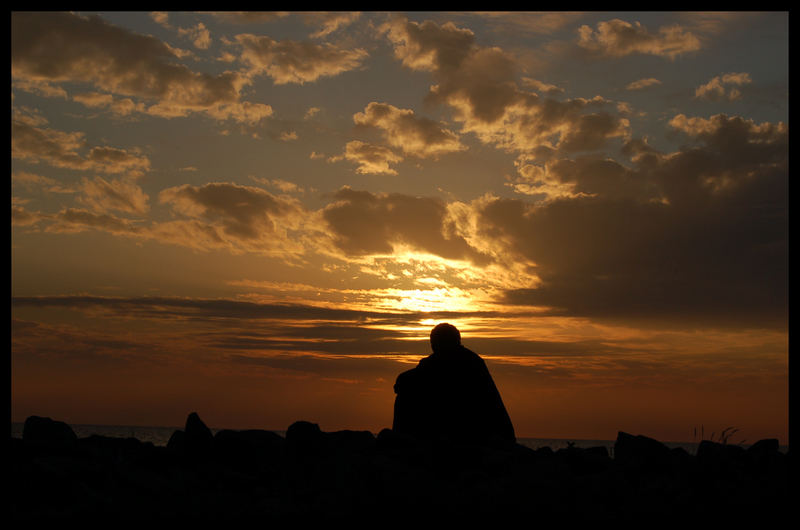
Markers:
point(161, 435)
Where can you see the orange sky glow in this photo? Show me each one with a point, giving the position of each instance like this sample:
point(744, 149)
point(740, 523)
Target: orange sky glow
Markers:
point(261, 216)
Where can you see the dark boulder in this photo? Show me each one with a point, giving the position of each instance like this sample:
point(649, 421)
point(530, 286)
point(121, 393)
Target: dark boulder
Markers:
point(768, 446)
point(641, 453)
point(196, 440)
point(304, 438)
point(709, 451)
point(249, 450)
point(199, 438)
point(177, 442)
point(590, 460)
point(348, 441)
point(45, 430)
point(721, 460)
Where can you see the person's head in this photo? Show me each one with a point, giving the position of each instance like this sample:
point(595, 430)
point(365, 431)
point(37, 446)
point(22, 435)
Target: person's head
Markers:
point(445, 337)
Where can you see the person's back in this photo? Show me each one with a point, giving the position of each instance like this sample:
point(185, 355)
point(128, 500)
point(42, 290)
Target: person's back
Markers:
point(450, 394)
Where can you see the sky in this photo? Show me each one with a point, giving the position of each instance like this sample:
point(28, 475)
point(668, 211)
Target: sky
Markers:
point(261, 216)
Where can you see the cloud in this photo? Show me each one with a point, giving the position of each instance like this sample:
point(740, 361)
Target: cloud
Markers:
point(161, 18)
point(365, 223)
point(119, 106)
point(71, 220)
point(244, 112)
point(37, 86)
point(428, 46)
point(296, 62)
point(413, 135)
point(618, 38)
point(198, 34)
point(311, 112)
point(237, 218)
point(22, 217)
point(61, 149)
point(643, 83)
point(243, 212)
point(32, 181)
point(699, 235)
point(717, 89)
point(120, 195)
point(371, 159)
point(479, 84)
point(58, 47)
point(330, 22)
point(211, 309)
point(541, 86)
point(585, 176)
point(282, 185)
point(250, 17)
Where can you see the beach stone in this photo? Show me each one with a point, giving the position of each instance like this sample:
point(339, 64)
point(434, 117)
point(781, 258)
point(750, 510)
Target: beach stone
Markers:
point(177, 442)
point(348, 441)
point(723, 461)
point(764, 447)
point(199, 438)
point(708, 450)
point(304, 437)
point(45, 430)
point(249, 450)
point(641, 453)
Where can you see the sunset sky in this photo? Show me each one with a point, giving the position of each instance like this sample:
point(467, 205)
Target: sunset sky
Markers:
point(260, 216)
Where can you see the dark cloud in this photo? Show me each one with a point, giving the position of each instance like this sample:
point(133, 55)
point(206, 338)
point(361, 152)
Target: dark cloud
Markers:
point(164, 307)
point(243, 212)
point(63, 149)
point(415, 136)
point(250, 17)
point(479, 83)
point(699, 235)
point(367, 223)
point(22, 217)
point(56, 47)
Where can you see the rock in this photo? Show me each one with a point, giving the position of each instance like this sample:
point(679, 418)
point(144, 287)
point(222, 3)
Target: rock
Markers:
point(46, 430)
point(641, 453)
point(722, 461)
point(764, 447)
point(199, 438)
point(708, 450)
point(348, 441)
point(304, 437)
point(348, 475)
point(249, 450)
point(177, 442)
point(585, 461)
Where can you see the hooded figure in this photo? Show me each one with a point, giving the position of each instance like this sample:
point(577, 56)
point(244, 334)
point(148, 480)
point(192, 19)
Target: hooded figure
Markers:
point(450, 394)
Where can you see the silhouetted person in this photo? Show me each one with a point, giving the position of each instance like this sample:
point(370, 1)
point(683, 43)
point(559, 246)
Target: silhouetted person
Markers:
point(450, 394)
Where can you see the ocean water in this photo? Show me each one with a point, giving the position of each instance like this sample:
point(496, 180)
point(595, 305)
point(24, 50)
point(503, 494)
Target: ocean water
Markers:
point(160, 436)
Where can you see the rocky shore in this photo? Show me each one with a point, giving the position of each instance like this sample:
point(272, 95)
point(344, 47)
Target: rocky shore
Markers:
point(355, 476)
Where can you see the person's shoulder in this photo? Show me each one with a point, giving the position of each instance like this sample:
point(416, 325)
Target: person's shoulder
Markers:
point(409, 378)
point(471, 355)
